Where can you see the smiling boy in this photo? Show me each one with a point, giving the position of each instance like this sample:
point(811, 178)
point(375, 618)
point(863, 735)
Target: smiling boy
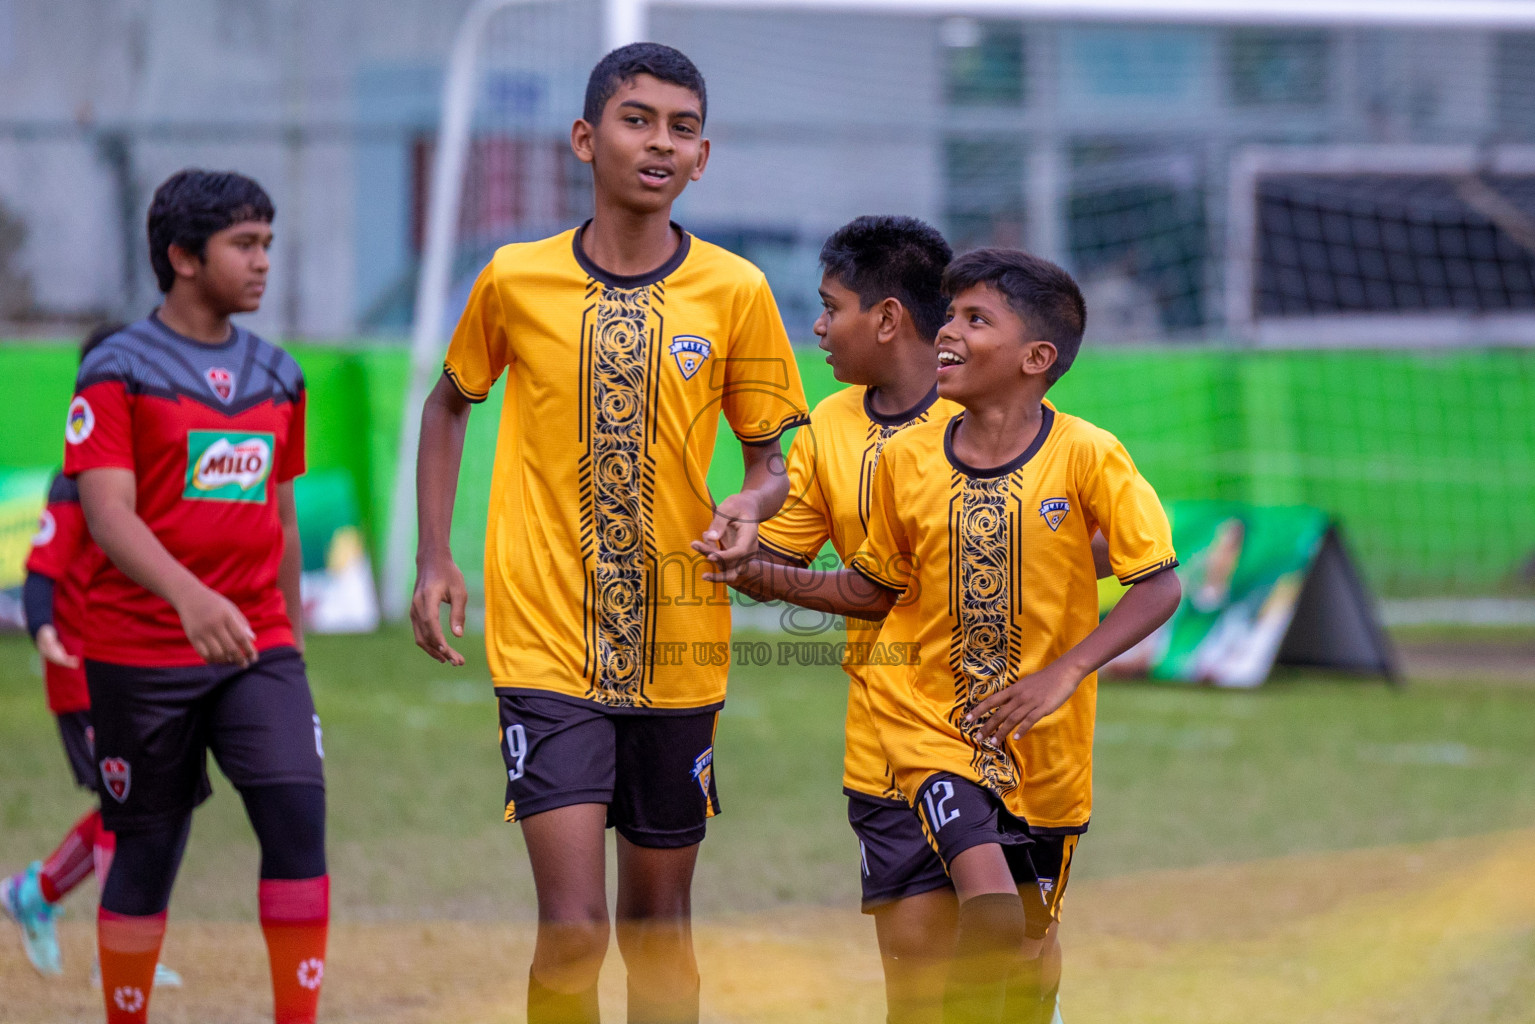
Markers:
point(623, 341)
point(882, 303)
point(185, 435)
point(979, 554)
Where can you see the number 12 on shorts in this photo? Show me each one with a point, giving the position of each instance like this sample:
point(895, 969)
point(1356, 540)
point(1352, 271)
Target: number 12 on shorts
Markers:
point(938, 812)
point(516, 751)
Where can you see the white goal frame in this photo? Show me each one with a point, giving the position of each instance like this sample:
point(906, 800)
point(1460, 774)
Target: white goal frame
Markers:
point(626, 21)
point(1339, 330)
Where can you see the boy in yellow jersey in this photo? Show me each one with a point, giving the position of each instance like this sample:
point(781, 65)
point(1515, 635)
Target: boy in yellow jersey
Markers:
point(978, 555)
point(623, 341)
point(882, 304)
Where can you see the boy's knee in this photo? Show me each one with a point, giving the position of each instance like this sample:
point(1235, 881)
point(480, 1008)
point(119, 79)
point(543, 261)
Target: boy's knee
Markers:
point(572, 945)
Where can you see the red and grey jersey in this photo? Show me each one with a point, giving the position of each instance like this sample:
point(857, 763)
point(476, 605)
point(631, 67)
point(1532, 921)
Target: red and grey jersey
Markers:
point(209, 431)
point(63, 551)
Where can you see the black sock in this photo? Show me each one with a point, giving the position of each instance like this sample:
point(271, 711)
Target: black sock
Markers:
point(546, 1006)
point(987, 952)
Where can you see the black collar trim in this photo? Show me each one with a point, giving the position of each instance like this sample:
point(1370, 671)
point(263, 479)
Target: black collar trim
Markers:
point(628, 281)
point(1047, 421)
point(899, 418)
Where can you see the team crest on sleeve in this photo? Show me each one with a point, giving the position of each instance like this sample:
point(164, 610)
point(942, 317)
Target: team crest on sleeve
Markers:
point(1054, 510)
point(703, 770)
point(80, 422)
point(690, 351)
point(222, 382)
point(47, 528)
point(116, 775)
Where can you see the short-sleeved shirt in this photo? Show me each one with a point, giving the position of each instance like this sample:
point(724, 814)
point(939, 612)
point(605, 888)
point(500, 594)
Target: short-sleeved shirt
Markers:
point(63, 551)
point(209, 431)
point(615, 386)
point(996, 572)
point(831, 483)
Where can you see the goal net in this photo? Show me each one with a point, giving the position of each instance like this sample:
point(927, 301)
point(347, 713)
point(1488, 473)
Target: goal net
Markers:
point(1304, 230)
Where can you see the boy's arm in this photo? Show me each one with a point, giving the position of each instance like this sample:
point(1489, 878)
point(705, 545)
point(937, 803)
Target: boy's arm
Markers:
point(844, 592)
point(748, 580)
point(37, 603)
point(1016, 707)
point(731, 539)
point(444, 419)
point(290, 570)
point(215, 626)
point(61, 540)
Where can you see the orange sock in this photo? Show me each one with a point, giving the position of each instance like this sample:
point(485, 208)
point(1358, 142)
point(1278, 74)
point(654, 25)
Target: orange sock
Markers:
point(129, 948)
point(295, 917)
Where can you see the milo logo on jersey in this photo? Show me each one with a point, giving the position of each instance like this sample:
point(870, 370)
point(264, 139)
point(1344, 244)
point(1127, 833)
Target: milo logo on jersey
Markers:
point(225, 466)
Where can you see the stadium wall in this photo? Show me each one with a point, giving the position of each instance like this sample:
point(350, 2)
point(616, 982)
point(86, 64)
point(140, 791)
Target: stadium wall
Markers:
point(1427, 458)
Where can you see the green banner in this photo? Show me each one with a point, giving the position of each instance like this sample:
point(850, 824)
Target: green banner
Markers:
point(1243, 568)
point(338, 591)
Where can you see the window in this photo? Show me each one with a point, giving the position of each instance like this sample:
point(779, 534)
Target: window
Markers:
point(982, 62)
point(983, 192)
point(1514, 85)
point(1269, 67)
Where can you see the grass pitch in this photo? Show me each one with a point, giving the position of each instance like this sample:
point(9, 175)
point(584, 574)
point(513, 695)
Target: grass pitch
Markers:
point(1321, 849)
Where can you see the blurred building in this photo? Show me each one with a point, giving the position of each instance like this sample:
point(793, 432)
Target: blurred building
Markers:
point(1105, 146)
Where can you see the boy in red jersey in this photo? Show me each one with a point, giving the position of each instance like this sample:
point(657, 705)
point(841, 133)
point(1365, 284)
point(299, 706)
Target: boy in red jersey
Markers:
point(58, 567)
point(185, 435)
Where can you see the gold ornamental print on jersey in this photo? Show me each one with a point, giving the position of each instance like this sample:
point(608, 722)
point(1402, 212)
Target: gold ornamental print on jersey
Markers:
point(982, 649)
point(618, 491)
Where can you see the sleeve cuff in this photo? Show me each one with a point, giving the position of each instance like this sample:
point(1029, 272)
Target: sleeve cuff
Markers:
point(1149, 571)
point(792, 557)
point(768, 438)
point(858, 567)
point(469, 395)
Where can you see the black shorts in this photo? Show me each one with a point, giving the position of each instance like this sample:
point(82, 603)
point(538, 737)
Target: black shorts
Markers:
point(655, 772)
point(79, 747)
point(155, 726)
point(895, 858)
point(958, 814)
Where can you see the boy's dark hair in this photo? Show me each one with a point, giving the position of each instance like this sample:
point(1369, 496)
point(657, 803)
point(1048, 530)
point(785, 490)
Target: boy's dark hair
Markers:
point(1040, 292)
point(653, 59)
point(892, 257)
point(192, 205)
point(101, 332)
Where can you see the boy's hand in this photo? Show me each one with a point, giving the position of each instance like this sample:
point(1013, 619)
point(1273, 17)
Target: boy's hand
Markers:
point(217, 628)
point(52, 650)
point(438, 583)
point(1016, 707)
point(731, 539)
point(743, 574)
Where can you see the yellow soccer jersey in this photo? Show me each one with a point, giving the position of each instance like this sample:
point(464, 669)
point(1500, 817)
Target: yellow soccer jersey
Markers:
point(831, 479)
point(614, 391)
point(831, 482)
point(996, 570)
